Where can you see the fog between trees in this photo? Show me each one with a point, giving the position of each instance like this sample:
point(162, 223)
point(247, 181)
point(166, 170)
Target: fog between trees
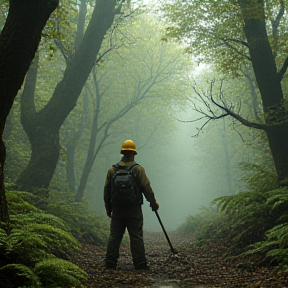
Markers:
point(137, 90)
point(200, 86)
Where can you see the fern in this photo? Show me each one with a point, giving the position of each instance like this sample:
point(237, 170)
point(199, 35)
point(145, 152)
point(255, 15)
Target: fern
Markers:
point(258, 178)
point(36, 238)
point(57, 271)
point(278, 201)
point(17, 204)
point(280, 233)
point(20, 275)
point(3, 236)
point(25, 247)
point(202, 221)
point(278, 255)
point(45, 232)
point(60, 242)
point(254, 220)
point(235, 204)
point(39, 218)
point(86, 226)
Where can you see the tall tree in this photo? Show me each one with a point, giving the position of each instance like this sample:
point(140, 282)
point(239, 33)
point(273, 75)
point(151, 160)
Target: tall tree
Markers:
point(42, 127)
point(245, 32)
point(19, 40)
point(141, 75)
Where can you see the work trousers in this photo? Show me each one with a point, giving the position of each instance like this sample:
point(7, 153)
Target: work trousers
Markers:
point(134, 226)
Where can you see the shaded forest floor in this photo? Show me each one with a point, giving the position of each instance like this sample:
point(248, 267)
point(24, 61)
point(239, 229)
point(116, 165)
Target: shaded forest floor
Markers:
point(201, 267)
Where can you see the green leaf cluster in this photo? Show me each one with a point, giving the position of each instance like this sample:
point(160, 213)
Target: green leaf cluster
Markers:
point(213, 31)
point(87, 226)
point(253, 222)
point(30, 251)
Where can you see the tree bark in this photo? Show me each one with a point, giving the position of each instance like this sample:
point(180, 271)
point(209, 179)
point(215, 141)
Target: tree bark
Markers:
point(269, 84)
point(19, 40)
point(45, 136)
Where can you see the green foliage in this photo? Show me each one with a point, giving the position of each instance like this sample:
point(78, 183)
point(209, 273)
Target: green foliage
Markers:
point(3, 239)
point(17, 204)
point(213, 30)
point(29, 252)
point(60, 27)
point(250, 214)
point(255, 221)
point(20, 275)
point(203, 221)
point(52, 272)
point(247, 216)
point(57, 272)
point(86, 226)
point(258, 178)
point(274, 247)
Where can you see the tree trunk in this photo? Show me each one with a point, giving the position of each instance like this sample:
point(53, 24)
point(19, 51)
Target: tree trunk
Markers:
point(84, 179)
point(255, 105)
point(48, 121)
point(70, 167)
point(269, 83)
point(19, 40)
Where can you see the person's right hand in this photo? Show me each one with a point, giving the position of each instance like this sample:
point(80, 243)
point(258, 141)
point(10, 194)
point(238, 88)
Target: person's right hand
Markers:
point(154, 206)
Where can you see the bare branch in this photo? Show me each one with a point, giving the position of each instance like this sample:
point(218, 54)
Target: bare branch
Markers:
point(150, 136)
point(236, 41)
point(242, 120)
point(111, 46)
point(201, 128)
point(230, 46)
point(206, 116)
point(63, 51)
point(240, 135)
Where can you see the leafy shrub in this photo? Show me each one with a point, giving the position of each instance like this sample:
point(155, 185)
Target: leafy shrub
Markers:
point(20, 275)
point(18, 203)
point(35, 238)
point(202, 223)
point(258, 178)
point(57, 272)
point(274, 247)
point(87, 226)
point(254, 222)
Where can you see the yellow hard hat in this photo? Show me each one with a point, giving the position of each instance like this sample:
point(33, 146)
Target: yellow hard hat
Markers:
point(128, 145)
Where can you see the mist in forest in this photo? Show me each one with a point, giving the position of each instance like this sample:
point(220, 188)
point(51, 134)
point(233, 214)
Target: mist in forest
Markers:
point(179, 170)
point(125, 98)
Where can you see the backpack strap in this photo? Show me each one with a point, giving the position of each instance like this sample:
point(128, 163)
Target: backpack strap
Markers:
point(120, 167)
point(132, 166)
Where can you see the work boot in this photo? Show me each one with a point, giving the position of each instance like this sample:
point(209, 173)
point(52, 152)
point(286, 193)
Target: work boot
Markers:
point(142, 266)
point(110, 265)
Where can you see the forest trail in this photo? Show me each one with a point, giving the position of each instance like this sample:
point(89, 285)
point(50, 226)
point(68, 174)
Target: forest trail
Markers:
point(201, 267)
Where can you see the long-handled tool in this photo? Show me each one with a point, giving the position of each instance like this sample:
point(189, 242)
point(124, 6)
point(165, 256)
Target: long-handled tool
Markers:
point(166, 235)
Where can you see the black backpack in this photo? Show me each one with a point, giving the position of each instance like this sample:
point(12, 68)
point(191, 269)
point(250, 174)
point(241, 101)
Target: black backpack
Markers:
point(123, 187)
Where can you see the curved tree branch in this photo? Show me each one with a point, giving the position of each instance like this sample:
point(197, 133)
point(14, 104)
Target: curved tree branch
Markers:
point(242, 120)
point(225, 41)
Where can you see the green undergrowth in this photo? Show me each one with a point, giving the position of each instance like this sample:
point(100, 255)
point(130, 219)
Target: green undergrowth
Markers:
point(37, 249)
point(87, 226)
point(253, 224)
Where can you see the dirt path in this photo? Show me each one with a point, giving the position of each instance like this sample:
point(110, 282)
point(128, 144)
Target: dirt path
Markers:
point(202, 267)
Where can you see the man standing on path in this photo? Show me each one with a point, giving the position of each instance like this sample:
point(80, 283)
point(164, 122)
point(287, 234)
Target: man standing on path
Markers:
point(123, 205)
